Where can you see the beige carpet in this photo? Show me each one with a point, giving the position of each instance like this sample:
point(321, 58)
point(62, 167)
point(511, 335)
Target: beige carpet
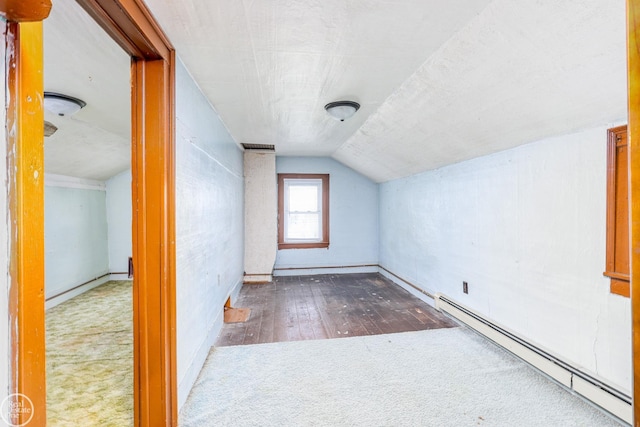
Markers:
point(434, 378)
point(90, 358)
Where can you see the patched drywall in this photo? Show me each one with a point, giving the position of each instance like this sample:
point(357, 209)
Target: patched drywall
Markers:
point(75, 232)
point(209, 226)
point(119, 222)
point(526, 229)
point(261, 215)
point(353, 219)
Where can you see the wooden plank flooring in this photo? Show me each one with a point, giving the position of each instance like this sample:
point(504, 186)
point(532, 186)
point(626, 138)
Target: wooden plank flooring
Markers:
point(328, 306)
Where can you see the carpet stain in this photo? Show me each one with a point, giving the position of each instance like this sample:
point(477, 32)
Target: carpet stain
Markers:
point(90, 358)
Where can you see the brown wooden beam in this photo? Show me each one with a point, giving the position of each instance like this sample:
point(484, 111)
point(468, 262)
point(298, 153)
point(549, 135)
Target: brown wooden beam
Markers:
point(633, 61)
point(131, 25)
point(25, 10)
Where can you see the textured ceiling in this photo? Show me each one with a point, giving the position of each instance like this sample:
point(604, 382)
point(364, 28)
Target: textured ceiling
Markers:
point(80, 60)
point(439, 81)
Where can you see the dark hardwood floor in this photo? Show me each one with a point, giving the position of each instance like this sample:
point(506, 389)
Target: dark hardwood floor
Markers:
point(328, 306)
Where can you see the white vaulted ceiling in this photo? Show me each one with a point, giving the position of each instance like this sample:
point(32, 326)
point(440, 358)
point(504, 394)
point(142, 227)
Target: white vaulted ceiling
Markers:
point(439, 81)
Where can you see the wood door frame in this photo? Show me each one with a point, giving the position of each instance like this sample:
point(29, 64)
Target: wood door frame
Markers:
point(153, 186)
point(633, 141)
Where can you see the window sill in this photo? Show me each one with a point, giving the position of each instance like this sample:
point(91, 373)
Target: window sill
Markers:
point(314, 245)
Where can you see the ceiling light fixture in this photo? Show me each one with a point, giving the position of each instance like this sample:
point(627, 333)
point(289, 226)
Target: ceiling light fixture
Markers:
point(342, 110)
point(62, 105)
point(49, 128)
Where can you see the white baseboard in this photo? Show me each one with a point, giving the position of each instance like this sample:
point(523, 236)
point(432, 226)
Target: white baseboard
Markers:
point(314, 271)
point(74, 292)
point(120, 276)
point(588, 386)
point(188, 380)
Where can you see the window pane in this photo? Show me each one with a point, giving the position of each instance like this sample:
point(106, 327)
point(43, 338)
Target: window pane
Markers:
point(303, 198)
point(304, 226)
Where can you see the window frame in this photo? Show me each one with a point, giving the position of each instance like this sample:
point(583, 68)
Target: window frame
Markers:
point(619, 279)
point(324, 242)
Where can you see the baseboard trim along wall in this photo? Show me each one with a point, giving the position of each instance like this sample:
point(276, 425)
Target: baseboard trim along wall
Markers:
point(257, 278)
point(315, 270)
point(74, 291)
point(587, 386)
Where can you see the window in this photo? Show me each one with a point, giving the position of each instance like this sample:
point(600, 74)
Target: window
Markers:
point(617, 267)
point(303, 211)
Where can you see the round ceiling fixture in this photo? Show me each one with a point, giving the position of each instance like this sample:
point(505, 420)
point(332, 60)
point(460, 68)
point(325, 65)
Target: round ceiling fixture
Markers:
point(342, 110)
point(62, 105)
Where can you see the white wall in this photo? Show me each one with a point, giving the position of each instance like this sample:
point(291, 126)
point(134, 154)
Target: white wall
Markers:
point(75, 230)
point(209, 226)
point(526, 229)
point(5, 342)
point(260, 216)
point(119, 221)
point(353, 218)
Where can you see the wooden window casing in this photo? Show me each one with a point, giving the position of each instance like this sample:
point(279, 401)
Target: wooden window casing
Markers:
point(617, 263)
point(324, 242)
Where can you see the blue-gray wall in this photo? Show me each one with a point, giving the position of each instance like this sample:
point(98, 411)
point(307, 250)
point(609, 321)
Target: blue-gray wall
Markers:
point(209, 226)
point(76, 246)
point(526, 229)
point(119, 214)
point(353, 206)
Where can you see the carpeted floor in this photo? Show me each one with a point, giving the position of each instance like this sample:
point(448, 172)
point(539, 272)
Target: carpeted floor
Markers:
point(444, 377)
point(90, 358)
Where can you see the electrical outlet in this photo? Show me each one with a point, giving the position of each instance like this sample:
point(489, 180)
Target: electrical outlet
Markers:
point(465, 287)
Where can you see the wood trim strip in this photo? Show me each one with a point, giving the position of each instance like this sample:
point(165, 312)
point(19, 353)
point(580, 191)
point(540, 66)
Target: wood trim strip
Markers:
point(25, 158)
point(414, 286)
point(25, 10)
point(633, 141)
point(131, 25)
point(155, 376)
point(323, 267)
point(78, 286)
point(618, 276)
point(611, 200)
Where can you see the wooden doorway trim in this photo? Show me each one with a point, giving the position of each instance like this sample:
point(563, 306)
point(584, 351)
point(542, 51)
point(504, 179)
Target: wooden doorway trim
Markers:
point(633, 138)
point(153, 186)
point(25, 164)
point(153, 61)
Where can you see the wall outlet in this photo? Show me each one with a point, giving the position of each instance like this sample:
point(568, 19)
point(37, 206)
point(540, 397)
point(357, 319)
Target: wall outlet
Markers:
point(465, 287)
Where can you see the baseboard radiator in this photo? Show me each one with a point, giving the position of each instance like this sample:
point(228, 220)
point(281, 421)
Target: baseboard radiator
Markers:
point(592, 389)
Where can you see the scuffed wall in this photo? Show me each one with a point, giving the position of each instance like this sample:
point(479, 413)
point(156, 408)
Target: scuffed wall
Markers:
point(261, 219)
point(119, 222)
point(353, 218)
point(526, 229)
point(75, 233)
point(209, 226)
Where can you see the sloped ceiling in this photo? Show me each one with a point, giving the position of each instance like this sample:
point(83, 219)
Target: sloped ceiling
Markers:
point(439, 81)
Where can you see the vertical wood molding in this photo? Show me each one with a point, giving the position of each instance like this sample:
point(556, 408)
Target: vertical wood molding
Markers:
point(25, 156)
point(633, 61)
point(154, 234)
